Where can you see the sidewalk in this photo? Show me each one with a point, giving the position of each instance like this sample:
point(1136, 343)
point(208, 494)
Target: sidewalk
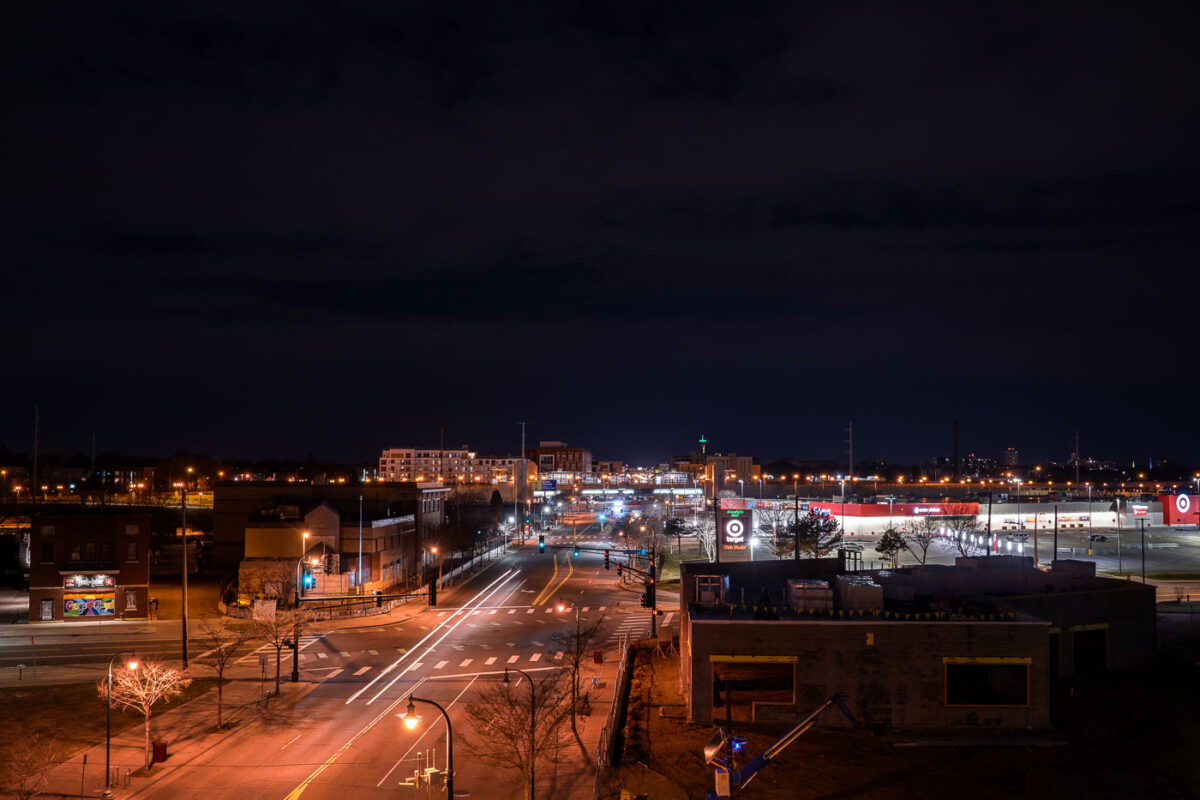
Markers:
point(188, 730)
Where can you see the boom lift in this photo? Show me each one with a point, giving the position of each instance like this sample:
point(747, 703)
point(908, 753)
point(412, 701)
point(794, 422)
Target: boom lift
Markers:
point(720, 751)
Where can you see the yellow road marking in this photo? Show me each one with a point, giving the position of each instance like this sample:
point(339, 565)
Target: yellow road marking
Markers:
point(538, 600)
point(570, 569)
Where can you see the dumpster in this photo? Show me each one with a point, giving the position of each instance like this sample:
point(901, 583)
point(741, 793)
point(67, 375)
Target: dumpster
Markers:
point(160, 752)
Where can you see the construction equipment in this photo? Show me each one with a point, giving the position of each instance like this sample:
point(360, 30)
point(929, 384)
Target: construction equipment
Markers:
point(721, 750)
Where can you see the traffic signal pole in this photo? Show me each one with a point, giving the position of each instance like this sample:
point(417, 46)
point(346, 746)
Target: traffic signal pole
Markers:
point(653, 598)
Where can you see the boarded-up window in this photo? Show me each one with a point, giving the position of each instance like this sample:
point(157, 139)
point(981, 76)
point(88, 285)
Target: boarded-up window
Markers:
point(987, 684)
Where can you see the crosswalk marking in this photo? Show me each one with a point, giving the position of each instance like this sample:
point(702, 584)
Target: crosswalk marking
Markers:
point(373, 652)
point(335, 673)
point(322, 655)
point(513, 659)
point(401, 650)
point(417, 665)
point(493, 611)
point(530, 611)
point(558, 656)
point(466, 662)
point(441, 613)
point(585, 609)
point(490, 661)
point(359, 671)
point(602, 608)
point(476, 613)
point(440, 664)
point(549, 609)
point(512, 611)
point(536, 657)
point(345, 654)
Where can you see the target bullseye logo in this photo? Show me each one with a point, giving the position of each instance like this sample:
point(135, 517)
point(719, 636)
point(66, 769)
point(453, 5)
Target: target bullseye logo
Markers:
point(1183, 503)
point(735, 531)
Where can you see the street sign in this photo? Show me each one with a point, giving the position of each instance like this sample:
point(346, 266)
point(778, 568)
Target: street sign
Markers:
point(550, 485)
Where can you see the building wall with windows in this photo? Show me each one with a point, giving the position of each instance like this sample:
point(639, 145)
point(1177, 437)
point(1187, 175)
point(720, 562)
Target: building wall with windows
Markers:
point(460, 465)
point(89, 567)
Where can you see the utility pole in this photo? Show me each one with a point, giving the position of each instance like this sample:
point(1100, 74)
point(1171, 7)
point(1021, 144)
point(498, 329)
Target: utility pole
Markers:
point(1054, 555)
point(358, 566)
point(517, 489)
point(184, 561)
point(1142, 525)
point(36, 420)
point(850, 451)
point(1077, 458)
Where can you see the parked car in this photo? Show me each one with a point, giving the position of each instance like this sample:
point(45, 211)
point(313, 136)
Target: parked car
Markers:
point(1097, 537)
point(1018, 537)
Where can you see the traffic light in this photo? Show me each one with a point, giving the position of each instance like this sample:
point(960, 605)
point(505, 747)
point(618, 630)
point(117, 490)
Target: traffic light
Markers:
point(642, 599)
point(541, 543)
point(576, 552)
point(618, 569)
point(606, 559)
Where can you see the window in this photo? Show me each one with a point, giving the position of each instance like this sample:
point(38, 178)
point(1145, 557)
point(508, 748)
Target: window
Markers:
point(987, 682)
point(47, 530)
point(131, 551)
point(106, 551)
point(131, 530)
point(47, 552)
point(76, 551)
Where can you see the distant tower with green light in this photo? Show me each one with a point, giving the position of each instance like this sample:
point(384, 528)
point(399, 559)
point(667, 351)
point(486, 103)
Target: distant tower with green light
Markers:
point(703, 445)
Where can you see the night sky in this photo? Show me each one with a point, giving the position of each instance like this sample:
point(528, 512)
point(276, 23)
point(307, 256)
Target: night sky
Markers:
point(263, 231)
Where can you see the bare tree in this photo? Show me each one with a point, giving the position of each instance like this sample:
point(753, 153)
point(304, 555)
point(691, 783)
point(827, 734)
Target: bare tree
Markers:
point(279, 632)
point(818, 534)
point(508, 735)
point(962, 525)
point(142, 688)
point(220, 645)
point(268, 578)
point(576, 645)
point(705, 527)
point(774, 521)
point(920, 536)
point(25, 765)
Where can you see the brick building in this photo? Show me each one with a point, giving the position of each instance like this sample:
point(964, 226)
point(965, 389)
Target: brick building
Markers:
point(89, 566)
point(973, 645)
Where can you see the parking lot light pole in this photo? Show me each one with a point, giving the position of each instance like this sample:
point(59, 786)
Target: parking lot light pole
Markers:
point(131, 664)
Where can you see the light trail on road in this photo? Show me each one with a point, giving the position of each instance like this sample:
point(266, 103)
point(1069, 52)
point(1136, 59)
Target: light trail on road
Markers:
point(465, 607)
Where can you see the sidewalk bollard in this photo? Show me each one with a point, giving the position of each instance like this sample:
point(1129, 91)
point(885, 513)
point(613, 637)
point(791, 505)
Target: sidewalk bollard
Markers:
point(114, 778)
point(20, 672)
point(82, 775)
point(128, 777)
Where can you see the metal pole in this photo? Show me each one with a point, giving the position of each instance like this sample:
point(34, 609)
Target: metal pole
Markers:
point(184, 561)
point(796, 515)
point(1142, 525)
point(108, 728)
point(1054, 555)
point(449, 746)
point(358, 566)
point(991, 541)
point(532, 724)
point(1120, 566)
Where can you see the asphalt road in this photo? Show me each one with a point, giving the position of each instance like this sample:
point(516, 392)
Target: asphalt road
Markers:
point(344, 739)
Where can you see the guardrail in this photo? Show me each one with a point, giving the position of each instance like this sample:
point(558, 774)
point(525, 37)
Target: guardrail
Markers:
point(606, 756)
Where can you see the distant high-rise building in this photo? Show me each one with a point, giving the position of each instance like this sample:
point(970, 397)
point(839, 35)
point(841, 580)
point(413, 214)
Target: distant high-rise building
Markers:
point(703, 445)
point(1010, 457)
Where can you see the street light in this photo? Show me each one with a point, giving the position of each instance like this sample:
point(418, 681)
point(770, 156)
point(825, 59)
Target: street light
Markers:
point(132, 664)
point(741, 488)
point(532, 723)
point(411, 720)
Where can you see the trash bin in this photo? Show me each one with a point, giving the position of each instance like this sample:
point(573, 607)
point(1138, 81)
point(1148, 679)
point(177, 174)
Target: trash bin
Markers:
point(598, 656)
point(160, 752)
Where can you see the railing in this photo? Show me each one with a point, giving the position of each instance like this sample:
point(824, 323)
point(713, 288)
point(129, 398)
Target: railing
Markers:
point(606, 756)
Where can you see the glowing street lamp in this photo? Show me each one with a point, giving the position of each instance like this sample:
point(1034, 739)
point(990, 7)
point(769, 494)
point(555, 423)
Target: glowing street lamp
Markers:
point(131, 664)
point(412, 720)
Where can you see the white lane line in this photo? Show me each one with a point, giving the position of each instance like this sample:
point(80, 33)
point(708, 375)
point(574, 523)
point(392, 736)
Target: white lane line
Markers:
point(466, 662)
point(360, 671)
point(335, 673)
point(294, 738)
point(490, 661)
point(536, 657)
point(440, 664)
point(513, 659)
point(503, 578)
point(484, 595)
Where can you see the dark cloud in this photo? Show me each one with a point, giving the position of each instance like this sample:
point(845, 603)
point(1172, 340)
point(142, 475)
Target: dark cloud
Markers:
point(600, 208)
